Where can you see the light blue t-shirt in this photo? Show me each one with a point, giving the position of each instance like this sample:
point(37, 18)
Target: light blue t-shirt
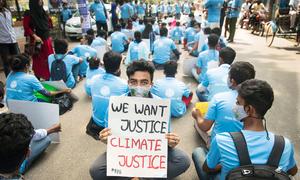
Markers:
point(214, 10)
point(69, 60)
point(177, 33)
point(84, 51)
point(134, 51)
point(189, 34)
point(140, 9)
point(186, 8)
point(98, 41)
point(220, 111)
point(118, 40)
point(21, 86)
point(90, 73)
point(177, 9)
point(125, 11)
point(66, 14)
point(140, 28)
point(235, 7)
point(215, 80)
point(169, 9)
point(206, 60)
point(99, 11)
point(222, 151)
point(102, 87)
point(173, 89)
point(162, 48)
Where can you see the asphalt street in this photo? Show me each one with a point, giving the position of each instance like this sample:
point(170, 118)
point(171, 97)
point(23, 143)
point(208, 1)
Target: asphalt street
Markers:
point(279, 65)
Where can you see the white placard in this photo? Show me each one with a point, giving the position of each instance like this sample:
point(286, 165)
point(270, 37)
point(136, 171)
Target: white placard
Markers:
point(41, 115)
point(137, 146)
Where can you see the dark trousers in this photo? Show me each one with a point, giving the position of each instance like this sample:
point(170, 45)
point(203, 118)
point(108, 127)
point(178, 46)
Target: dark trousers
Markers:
point(232, 27)
point(114, 23)
point(93, 129)
point(6, 51)
point(102, 25)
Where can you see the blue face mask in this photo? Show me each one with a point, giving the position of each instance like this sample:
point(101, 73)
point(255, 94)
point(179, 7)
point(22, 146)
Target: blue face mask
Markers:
point(239, 112)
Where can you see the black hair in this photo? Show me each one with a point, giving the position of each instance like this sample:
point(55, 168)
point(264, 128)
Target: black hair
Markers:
point(141, 65)
point(177, 23)
point(241, 71)
point(101, 33)
point(137, 36)
point(93, 62)
point(112, 61)
point(216, 31)
point(90, 36)
point(60, 46)
point(118, 27)
point(141, 21)
point(191, 15)
point(19, 62)
point(227, 54)
point(123, 25)
point(170, 68)
point(5, 5)
point(196, 24)
point(207, 30)
point(163, 32)
point(148, 29)
point(258, 94)
point(192, 23)
point(213, 40)
point(15, 136)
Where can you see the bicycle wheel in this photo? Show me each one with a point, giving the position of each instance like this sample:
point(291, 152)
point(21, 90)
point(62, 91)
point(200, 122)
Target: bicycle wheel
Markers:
point(270, 35)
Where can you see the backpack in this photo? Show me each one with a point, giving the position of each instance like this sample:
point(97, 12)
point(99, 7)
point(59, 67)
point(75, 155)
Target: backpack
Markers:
point(64, 102)
point(249, 171)
point(58, 70)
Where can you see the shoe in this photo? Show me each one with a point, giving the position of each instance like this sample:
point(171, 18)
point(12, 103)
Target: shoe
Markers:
point(230, 41)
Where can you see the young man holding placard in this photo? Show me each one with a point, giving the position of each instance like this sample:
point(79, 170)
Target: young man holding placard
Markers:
point(140, 80)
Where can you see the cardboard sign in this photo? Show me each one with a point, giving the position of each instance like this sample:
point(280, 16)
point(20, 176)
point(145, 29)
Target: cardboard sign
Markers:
point(41, 115)
point(137, 146)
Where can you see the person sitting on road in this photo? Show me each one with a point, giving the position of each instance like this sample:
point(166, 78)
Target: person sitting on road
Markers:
point(20, 85)
point(170, 87)
point(177, 33)
point(193, 51)
point(72, 62)
point(20, 144)
point(255, 98)
point(137, 49)
point(140, 79)
point(102, 87)
point(163, 48)
point(119, 41)
point(215, 80)
point(207, 59)
point(222, 41)
point(99, 40)
point(84, 51)
point(220, 107)
point(93, 70)
point(189, 35)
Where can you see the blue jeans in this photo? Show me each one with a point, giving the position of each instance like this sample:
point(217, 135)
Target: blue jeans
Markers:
point(36, 149)
point(199, 157)
point(202, 96)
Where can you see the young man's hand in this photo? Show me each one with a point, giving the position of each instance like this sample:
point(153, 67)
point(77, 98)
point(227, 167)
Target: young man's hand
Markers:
point(103, 135)
point(196, 113)
point(173, 139)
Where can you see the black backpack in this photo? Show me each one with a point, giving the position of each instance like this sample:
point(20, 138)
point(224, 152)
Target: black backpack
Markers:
point(249, 171)
point(58, 70)
point(64, 101)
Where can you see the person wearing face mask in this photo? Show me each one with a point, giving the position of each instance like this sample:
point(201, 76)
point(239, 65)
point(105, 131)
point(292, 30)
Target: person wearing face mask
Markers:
point(255, 98)
point(220, 107)
point(101, 87)
point(193, 51)
point(99, 10)
point(169, 87)
point(20, 85)
point(215, 80)
point(140, 77)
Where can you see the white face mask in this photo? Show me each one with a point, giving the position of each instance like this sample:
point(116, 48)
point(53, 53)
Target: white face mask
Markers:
point(139, 91)
point(239, 112)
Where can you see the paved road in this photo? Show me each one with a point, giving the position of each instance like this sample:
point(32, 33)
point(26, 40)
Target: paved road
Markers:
point(280, 66)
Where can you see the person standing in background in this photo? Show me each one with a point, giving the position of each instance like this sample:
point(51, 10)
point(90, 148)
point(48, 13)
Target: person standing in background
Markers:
point(234, 11)
point(65, 15)
point(8, 42)
point(99, 10)
point(37, 25)
point(114, 15)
